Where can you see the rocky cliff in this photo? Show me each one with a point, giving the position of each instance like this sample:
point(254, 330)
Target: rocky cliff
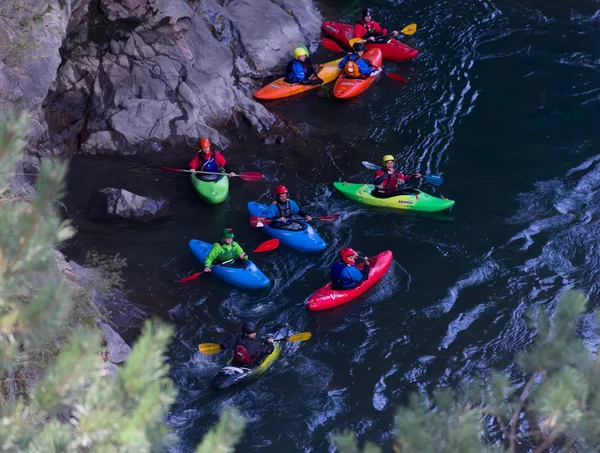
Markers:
point(116, 76)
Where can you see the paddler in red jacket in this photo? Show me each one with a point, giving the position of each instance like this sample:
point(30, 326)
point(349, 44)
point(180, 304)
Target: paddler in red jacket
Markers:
point(388, 179)
point(208, 160)
point(369, 30)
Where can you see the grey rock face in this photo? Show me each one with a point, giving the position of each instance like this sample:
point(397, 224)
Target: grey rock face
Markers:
point(111, 203)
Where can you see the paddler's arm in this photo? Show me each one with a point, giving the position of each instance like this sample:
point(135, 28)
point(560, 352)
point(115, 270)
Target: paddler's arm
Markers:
point(215, 251)
point(239, 250)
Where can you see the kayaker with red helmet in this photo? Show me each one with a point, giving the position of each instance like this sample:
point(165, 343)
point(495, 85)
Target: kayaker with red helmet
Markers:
point(283, 209)
point(247, 348)
point(366, 28)
point(208, 160)
point(300, 69)
point(344, 274)
point(355, 66)
point(388, 179)
point(225, 250)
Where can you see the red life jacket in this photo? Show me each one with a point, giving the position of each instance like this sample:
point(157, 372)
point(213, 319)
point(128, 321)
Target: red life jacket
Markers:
point(242, 355)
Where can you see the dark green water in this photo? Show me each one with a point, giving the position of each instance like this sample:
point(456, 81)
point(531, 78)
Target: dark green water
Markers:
point(504, 100)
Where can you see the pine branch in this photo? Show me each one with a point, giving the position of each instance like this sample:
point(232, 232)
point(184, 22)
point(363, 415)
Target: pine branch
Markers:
point(513, 426)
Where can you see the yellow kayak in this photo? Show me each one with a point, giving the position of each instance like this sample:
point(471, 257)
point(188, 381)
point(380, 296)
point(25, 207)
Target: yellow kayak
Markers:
point(278, 89)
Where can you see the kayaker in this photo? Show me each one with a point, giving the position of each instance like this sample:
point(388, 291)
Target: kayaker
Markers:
point(344, 274)
point(226, 250)
point(208, 160)
point(300, 69)
point(355, 66)
point(388, 179)
point(247, 348)
point(283, 209)
point(366, 28)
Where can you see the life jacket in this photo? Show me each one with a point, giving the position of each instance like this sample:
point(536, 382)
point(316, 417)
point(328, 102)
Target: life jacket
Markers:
point(285, 210)
point(389, 184)
point(338, 280)
point(290, 76)
point(208, 164)
point(351, 69)
point(242, 355)
point(370, 27)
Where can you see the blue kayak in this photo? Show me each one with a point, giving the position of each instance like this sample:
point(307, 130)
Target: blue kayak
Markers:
point(241, 273)
point(298, 235)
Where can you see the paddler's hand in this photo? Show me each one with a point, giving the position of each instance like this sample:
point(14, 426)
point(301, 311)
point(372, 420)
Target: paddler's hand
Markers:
point(308, 218)
point(269, 340)
point(282, 219)
point(372, 39)
point(207, 269)
point(417, 175)
point(395, 33)
point(243, 256)
point(367, 262)
point(390, 171)
point(232, 174)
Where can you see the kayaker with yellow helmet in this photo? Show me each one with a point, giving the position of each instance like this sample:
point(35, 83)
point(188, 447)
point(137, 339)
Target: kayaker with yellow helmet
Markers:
point(355, 66)
point(300, 69)
point(388, 179)
point(225, 250)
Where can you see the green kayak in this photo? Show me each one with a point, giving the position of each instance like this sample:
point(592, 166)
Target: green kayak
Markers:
point(419, 201)
point(212, 192)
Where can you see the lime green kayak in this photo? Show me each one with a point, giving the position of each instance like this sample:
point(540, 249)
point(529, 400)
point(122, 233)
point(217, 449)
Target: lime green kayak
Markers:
point(212, 192)
point(415, 202)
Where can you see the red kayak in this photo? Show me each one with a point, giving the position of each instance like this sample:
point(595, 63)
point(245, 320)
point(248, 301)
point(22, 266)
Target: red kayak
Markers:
point(326, 297)
point(348, 87)
point(393, 51)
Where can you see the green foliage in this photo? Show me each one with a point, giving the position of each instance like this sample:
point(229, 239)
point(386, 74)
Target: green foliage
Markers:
point(56, 395)
point(558, 405)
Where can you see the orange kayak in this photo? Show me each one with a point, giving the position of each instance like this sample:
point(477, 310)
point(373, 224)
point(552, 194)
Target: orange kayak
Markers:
point(279, 89)
point(346, 87)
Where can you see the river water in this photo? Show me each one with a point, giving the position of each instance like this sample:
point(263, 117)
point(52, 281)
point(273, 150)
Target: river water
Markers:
point(504, 100)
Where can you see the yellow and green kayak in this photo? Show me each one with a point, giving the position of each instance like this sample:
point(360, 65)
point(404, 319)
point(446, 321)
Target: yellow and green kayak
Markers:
point(212, 191)
point(417, 201)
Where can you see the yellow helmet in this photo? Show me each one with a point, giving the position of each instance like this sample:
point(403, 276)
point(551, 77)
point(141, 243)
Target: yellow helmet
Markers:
point(387, 157)
point(299, 51)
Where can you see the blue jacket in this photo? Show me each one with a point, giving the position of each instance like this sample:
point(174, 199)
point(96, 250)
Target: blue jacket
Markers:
point(363, 66)
point(345, 276)
point(274, 212)
point(296, 71)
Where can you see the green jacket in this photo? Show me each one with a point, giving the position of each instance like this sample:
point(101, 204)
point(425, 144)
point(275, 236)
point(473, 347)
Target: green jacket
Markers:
point(223, 252)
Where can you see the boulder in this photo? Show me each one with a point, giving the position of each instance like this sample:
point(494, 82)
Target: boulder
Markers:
point(118, 350)
point(111, 203)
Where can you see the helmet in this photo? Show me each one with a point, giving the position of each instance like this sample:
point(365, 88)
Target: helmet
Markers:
point(351, 69)
point(358, 47)
point(345, 253)
point(248, 328)
point(387, 157)
point(204, 142)
point(280, 189)
point(367, 12)
point(299, 51)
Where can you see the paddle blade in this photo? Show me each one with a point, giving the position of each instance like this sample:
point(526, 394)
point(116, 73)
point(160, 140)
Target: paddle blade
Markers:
point(409, 29)
point(325, 90)
point(266, 246)
point(189, 278)
point(396, 77)
point(355, 40)
point(436, 180)
point(329, 218)
point(251, 176)
point(174, 170)
point(371, 166)
point(331, 45)
point(209, 348)
point(259, 222)
point(302, 336)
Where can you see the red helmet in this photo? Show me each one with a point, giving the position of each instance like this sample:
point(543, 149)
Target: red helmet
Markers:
point(345, 253)
point(204, 142)
point(280, 189)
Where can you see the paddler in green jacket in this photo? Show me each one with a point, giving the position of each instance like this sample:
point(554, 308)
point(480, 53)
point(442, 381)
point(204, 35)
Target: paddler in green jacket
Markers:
point(227, 250)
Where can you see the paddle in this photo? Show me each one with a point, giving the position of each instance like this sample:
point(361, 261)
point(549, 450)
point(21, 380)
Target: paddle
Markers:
point(213, 348)
point(323, 87)
point(435, 180)
point(408, 31)
point(266, 246)
point(334, 47)
point(251, 176)
point(259, 221)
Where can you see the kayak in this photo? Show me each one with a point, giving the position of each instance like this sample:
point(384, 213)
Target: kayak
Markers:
point(213, 192)
point(240, 273)
point(230, 375)
point(394, 50)
point(346, 87)
point(300, 235)
point(418, 201)
point(280, 89)
point(326, 297)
